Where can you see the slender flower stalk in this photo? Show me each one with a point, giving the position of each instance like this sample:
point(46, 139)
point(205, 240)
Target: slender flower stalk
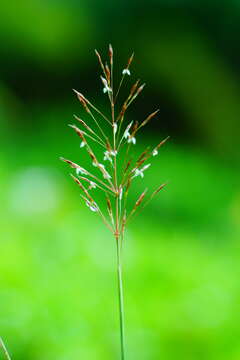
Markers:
point(114, 177)
point(4, 349)
point(120, 297)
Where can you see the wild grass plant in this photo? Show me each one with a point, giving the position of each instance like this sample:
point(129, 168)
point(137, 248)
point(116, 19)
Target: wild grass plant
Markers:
point(108, 140)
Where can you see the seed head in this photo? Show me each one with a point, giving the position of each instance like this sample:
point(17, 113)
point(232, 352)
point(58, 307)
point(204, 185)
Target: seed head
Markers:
point(114, 178)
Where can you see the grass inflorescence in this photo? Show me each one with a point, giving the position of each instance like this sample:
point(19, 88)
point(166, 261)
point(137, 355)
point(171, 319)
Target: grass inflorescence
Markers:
point(114, 174)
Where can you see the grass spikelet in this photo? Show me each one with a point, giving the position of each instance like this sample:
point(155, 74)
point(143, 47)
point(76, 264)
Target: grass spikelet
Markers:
point(148, 118)
point(84, 124)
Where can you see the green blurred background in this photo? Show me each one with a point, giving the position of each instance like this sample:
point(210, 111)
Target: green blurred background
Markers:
point(181, 260)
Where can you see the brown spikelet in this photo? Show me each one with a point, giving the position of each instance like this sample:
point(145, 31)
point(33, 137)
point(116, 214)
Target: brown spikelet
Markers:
point(109, 206)
point(129, 180)
point(135, 127)
point(100, 61)
point(93, 157)
point(124, 220)
point(84, 124)
point(143, 155)
point(108, 74)
point(140, 89)
point(149, 118)
point(86, 179)
point(122, 112)
point(110, 53)
point(130, 60)
point(134, 87)
point(140, 162)
point(108, 145)
point(78, 132)
point(138, 202)
point(72, 164)
point(78, 182)
point(162, 142)
point(140, 199)
point(127, 166)
point(135, 94)
point(81, 96)
point(159, 189)
point(82, 101)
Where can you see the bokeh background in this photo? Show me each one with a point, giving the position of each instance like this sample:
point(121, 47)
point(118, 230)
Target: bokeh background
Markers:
point(182, 256)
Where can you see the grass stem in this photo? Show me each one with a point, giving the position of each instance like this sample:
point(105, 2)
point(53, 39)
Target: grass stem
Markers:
point(120, 298)
point(2, 345)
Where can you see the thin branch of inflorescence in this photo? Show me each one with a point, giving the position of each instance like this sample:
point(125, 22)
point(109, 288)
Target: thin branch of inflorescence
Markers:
point(114, 177)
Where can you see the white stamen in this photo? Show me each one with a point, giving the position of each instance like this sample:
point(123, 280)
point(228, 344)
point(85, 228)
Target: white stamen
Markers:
point(115, 127)
point(82, 144)
point(92, 206)
point(146, 167)
point(108, 154)
point(113, 152)
point(155, 152)
point(104, 81)
point(140, 172)
point(126, 132)
point(126, 72)
point(80, 170)
point(106, 87)
point(92, 185)
point(132, 140)
point(106, 175)
point(120, 192)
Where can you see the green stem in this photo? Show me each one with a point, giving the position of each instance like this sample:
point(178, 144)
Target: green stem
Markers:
point(120, 298)
point(2, 345)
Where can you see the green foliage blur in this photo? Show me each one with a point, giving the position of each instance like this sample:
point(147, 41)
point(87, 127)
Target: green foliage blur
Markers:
point(58, 295)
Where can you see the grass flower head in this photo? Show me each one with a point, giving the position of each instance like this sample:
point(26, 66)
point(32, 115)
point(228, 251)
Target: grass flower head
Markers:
point(114, 135)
